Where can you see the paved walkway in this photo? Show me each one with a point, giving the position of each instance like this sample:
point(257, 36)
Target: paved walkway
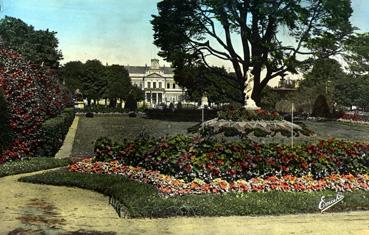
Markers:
point(41, 209)
point(66, 150)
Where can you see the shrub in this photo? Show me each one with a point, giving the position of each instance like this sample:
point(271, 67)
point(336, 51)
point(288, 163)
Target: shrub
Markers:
point(171, 106)
point(53, 132)
point(132, 114)
point(184, 115)
point(131, 103)
point(5, 133)
point(321, 108)
point(235, 112)
point(33, 95)
point(89, 115)
point(179, 105)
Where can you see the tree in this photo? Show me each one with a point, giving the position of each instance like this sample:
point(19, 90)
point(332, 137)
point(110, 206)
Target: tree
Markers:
point(38, 46)
point(353, 91)
point(321, 108)
point(118, 83)
point(188, 32)
point(220, 86)
point(71, 74)
point(93, 82)
point(357, 56)
point(131, 103)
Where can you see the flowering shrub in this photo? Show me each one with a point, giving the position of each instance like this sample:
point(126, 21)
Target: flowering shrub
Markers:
point(234, 112)
point(355, 117)
point(33, 95)
point(169, 185)
point(189, 158)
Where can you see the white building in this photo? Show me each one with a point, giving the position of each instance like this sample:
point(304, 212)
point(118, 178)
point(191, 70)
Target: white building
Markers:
point(157, 83)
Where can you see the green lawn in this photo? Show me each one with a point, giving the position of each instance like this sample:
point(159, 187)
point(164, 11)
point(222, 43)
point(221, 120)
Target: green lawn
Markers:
point(31, 165)
point(141, 200)
point(118, 128)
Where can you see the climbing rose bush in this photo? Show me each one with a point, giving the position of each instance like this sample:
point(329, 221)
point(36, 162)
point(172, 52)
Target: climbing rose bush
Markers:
point(33, 95)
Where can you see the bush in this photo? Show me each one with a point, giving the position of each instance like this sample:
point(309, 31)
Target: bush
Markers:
point(132, 114)
point(89, 115)
point(171, 106)
point(131, 103)
point(321, 108)
point(179, 105)
point(33, 95)
point(5, 133)
point(53, 132)
point(237, 113)
point(183, 115)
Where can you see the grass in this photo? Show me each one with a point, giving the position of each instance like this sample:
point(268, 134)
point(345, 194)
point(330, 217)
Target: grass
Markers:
point(118, 128)
point(142, 200)
point(31, 165)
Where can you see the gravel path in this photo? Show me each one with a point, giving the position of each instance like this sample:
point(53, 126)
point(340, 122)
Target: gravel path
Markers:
point(41, 209)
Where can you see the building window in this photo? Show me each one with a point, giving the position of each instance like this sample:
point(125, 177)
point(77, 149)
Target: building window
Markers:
point(174, 86)
point(168, 85)
point(148, 84)
point(148, 97)
point(154, 85)
point(140, 85)
point(159, 84)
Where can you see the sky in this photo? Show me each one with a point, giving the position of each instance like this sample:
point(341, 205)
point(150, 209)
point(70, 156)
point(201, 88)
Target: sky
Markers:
point(113, 31)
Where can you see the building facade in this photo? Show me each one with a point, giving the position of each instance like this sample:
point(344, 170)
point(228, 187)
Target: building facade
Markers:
point(157, 83)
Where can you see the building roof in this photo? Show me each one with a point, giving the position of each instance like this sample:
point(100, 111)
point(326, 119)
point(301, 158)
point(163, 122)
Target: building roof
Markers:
point(143, 69)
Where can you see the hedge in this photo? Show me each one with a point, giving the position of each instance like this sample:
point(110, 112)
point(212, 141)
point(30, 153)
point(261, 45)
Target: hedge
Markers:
point(53, 132)
point(181, 115)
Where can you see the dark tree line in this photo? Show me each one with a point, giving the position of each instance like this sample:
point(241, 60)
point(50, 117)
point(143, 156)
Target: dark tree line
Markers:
point(96, 81)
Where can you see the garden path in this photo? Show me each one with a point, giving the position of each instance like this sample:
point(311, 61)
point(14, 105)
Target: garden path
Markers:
point(41, 209)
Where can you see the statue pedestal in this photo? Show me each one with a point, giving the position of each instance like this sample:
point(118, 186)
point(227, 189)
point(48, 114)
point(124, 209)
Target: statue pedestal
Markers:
point(251, 105)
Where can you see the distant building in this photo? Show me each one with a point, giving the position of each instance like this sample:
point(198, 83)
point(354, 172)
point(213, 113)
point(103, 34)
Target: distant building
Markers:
point(157, 83)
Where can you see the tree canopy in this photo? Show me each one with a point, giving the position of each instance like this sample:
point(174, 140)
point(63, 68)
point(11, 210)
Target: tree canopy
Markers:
point(217, 83)
point(96, 81)
point(38, 46)
point(188, 32)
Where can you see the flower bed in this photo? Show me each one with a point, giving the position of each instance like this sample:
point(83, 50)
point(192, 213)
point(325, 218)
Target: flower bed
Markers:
point(170, 186)
point(206, 159)
point(238, 113)
point(33, 95)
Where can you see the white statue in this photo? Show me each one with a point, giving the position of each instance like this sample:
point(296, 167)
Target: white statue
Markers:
point(204, 101)
point(249, 87)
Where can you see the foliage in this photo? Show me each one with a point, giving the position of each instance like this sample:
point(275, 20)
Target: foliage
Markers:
point(119, 83)
point(188, 158)
point(33, 95)
point(5, 134)
point(182, 115)
point(131, 103)
point(53, 132)
point(31, 165)
point(189, 32)
point(38, 46)
point(235, 112)
point(321, 108)
point(352, 91)
point(220, 86)
point(358, 53)
point(143, 200)
point(93, 84)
